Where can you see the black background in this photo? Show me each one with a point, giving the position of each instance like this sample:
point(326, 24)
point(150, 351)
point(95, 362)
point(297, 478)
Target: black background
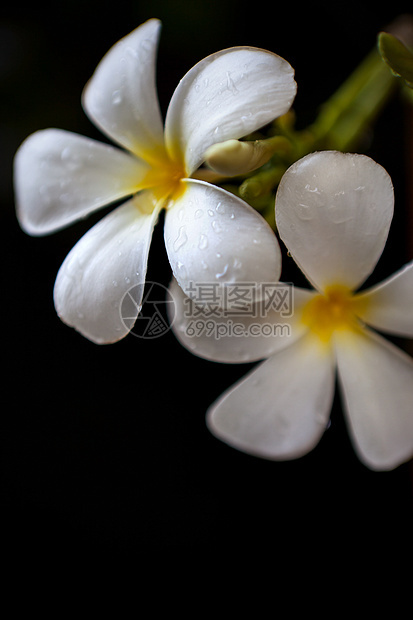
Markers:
point(104, 449)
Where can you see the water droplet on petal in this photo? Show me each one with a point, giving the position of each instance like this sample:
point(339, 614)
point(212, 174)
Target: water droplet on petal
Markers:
point(222, 273)
point(181, 239)
point(181, 268)
point(304, 212)
point(231, 84)
point(313, 190)
point(203, 242)
point(66, 153)
point(220, 208)
point(116, 97)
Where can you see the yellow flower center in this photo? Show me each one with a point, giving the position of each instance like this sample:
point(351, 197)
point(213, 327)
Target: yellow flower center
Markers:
point(334, 310)
point(164, 178)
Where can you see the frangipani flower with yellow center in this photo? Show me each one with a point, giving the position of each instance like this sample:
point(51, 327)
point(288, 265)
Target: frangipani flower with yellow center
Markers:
point(61, 177)
point(333, 212)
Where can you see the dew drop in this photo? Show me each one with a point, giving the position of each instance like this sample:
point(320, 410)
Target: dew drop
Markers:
point(220, 208)
point(217, 226)
point(203, 242)
point(116, 97)
point(181, 268)
point(304, 212)
point(313, 190)
point(198, 213)
point(231, 84)
point(337, 215)
point(66, 154)
point(181, 239)
point(222, 273)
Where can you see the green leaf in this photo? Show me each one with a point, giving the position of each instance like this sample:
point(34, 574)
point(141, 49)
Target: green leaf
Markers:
point(397, 56)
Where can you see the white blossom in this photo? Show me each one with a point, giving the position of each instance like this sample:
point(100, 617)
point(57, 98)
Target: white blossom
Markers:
point(333, 212)
point(61, 177)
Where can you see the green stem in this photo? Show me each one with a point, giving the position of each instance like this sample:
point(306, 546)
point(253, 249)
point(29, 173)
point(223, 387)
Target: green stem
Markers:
point(344, 118)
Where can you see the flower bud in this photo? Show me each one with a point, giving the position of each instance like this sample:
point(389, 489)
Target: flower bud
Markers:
point(233, 157)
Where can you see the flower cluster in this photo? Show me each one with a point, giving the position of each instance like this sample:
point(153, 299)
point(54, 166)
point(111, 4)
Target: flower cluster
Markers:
point(333, 212)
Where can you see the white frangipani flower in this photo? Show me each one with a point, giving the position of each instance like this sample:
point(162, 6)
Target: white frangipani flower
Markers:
point(333, 212)
point(61, 177)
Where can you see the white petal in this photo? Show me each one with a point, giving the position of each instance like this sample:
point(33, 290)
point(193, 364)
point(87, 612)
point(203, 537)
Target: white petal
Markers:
point(107, 262)
point(212, 236)
point(377, 385)
point(389, 305)
point(236, 330)
point(227, 96)
point(333, 212)
point(121, 96)
point(61, 177)
point(281, 409)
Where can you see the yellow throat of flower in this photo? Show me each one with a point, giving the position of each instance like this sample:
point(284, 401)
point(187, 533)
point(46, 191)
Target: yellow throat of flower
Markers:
point(335, 309)
point(164, 178)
